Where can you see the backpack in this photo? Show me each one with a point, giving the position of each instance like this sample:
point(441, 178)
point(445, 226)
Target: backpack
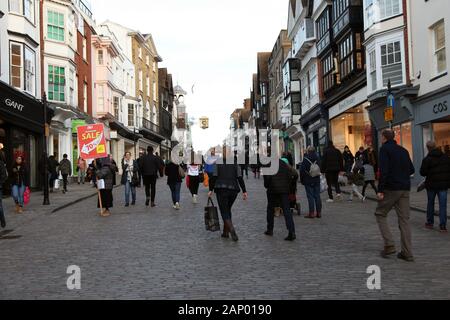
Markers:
point(314, 170)
point(3, 173)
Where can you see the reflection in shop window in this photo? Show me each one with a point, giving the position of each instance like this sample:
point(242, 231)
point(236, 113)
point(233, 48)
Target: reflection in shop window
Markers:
point(442, 136)
point(403, 136)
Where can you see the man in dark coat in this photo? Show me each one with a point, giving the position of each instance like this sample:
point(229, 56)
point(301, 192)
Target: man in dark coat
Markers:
point(332, 165)
point(149, 166)
point(394, 189)
point(278, 187)
point(436, 169)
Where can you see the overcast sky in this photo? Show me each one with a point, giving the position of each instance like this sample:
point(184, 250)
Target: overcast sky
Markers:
point(208, 44)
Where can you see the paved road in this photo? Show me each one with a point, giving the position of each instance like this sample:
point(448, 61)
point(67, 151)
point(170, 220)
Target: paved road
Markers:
point(163, 254)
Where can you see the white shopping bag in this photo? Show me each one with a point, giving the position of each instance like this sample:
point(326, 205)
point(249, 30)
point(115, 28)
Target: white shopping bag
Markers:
point(323, 184)
point(101, 184)
point(57, 184)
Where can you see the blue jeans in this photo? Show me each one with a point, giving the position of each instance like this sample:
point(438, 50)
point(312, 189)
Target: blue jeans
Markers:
point(129, 188)
point(442, 197)
point(314, 200)
point(17, 193)
point(175, 189)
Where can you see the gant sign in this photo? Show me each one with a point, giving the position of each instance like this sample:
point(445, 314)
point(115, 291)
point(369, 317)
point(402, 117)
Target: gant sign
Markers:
point(14, 104)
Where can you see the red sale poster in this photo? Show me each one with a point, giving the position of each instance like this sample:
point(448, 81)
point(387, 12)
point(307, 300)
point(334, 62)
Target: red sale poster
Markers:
point(92, 141)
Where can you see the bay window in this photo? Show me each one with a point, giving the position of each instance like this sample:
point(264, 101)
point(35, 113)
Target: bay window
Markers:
point(373, 70)
point(391, 63)
point(328, 79)
point(55, 26)
point(130, 115)
point(313, 81)
point(379, 10)
point(30, 71)
point(346, 58)
point(439, 55)
point(23, 7)
point(56, 83)
point(23, 67)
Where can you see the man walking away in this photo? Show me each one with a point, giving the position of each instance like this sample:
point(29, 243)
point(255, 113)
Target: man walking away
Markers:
point(149, 167)
point(65, 167)
point(52, 171)
point(394, 188)
point(278, 187)
point(436, 169)
point(332, 165)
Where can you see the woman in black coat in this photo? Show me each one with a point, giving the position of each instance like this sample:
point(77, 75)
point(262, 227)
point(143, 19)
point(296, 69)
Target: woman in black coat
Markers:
point(227, 182)
point(174, 180)
point(106, 172)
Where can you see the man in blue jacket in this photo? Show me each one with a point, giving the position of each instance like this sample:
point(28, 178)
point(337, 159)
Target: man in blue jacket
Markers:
point(394, 188)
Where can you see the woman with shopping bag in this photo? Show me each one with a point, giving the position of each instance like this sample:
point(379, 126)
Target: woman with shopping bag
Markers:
point(20, 181)
point(105, 186)
point(227, 181)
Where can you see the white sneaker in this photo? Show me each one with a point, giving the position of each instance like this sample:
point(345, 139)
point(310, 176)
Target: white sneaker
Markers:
point(339, 197)
point(174, 206)
point(177, 206)
point(330, 200)
point(363, 199)
point(194, 198)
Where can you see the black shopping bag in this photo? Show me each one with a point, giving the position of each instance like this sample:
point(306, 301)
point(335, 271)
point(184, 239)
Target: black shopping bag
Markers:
point(212, 222)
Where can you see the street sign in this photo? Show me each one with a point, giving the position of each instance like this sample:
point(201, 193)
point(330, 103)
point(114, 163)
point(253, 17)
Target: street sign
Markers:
point(92, 141)
point(204, 122)
point(391, 100)
point(389, 114)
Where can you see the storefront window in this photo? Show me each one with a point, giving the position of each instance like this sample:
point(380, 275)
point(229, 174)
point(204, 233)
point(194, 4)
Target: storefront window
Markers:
point(353, 129)
point(403, 136)
point(442, 136)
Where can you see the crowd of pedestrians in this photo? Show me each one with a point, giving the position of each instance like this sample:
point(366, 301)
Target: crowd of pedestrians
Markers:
point(327, 171)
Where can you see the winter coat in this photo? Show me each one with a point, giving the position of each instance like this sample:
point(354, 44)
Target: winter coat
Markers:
point(172, 172)
point(396, 168)
point(65, 167)
point(281, 182)
point(436, 168)
point(127, 173)
point(369, 172)
point(349, 159)
point(150, 165)
point(227, 177)
point(20, 176)
point(305, 167)
point(332, 160)
point(53, 166)
point(107, 173)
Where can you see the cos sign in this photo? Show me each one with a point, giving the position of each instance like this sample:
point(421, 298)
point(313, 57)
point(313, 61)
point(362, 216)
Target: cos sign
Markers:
point(440, 107)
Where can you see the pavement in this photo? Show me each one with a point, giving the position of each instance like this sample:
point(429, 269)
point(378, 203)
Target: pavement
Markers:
point(160, 253)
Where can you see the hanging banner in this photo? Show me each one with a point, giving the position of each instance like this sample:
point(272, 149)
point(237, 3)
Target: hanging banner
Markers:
point(92, 141)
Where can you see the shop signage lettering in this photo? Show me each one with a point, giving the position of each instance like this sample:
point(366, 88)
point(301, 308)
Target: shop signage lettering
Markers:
point(440, 107)
point(91, 141)
point(14, 104)
point(346, 104)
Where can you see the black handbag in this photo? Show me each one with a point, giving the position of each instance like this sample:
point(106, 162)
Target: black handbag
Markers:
point(212, 222)
point(201, 177)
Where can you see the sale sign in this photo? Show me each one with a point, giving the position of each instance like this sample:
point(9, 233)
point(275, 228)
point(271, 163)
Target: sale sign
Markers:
point(92, 141)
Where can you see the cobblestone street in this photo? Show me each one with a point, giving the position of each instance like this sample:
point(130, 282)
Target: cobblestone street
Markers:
point(160, 253)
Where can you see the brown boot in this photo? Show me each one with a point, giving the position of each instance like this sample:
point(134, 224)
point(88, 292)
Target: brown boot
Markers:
point(388, 251)
point(226, 232)
point(20, 210)
point(17, 208)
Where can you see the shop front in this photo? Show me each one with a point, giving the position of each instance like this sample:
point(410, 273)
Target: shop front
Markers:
point(314, 124)
point(22, 130)
point(403, 122)
point(350, 124)
point(431, 122)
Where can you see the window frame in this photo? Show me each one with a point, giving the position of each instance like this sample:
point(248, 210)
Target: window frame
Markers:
point(131, 123)
point(32, 81)
point(327, 63)
point(436, 51)
point(51, 93)
point(21, 66)
point(59, 27)
point(373, 7)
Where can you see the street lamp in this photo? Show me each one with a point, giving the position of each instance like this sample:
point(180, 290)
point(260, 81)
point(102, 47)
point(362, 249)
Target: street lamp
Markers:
point(46, 133)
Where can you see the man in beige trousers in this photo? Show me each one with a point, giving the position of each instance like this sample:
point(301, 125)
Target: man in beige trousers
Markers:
point(394, 189)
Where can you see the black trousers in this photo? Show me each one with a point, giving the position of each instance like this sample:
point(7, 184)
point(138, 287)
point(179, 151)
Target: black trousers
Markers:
point(279, 200)
point(65, 176)
point(150, 183)
point(372, 183)
point(194, 182)
point(332, 180)
point(226, 199)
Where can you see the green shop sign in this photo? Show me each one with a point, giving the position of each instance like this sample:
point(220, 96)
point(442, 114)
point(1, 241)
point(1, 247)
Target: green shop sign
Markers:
point(76, 124)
